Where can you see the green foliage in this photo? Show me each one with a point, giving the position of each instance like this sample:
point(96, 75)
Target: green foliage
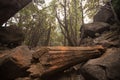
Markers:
point(37, 18)
point(35, 22)
point(91, 7)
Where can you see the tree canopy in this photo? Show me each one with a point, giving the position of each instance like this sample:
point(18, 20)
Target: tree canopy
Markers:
point(57, 22)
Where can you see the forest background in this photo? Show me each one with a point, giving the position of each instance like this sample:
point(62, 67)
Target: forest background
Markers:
point(55, 22)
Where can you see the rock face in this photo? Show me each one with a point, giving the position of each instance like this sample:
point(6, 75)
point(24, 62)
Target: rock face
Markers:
point(107, 67)
point(14, 63)
point(8, 8)
point(104, 15)
point(11, 36)
point(108, 39)
point(97, 27)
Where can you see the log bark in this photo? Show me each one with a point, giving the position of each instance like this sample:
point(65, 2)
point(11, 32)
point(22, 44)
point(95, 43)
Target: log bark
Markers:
point(58, 59)
point(68, 48)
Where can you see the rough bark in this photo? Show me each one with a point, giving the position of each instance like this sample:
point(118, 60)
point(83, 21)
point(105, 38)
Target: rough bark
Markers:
point(57, 59)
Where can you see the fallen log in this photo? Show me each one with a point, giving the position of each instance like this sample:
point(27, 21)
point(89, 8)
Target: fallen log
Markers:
point(58, 59)
point(68, 48)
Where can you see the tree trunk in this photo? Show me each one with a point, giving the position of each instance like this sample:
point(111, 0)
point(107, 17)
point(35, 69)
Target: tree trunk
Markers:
point(57, 59)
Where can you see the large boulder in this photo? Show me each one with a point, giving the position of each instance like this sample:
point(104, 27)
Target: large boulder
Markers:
point(108, 39)
point(92, 29)
point(104, 15)
point(11, 36)
point(107, 67)
point(14, 63)
point(8, 8)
